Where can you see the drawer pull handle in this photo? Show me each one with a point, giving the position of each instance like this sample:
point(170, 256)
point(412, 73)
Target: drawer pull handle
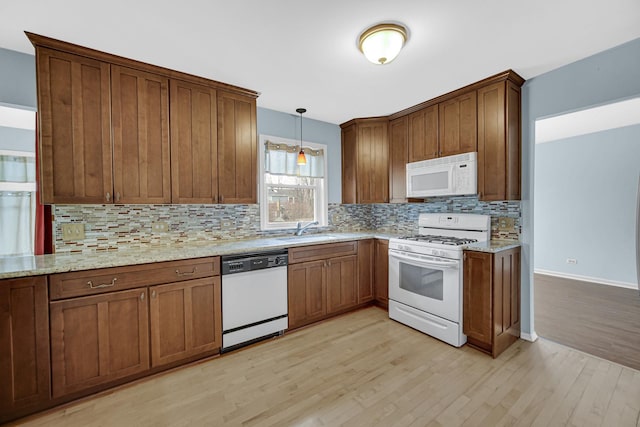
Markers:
point(102, 285)
point(186, 273)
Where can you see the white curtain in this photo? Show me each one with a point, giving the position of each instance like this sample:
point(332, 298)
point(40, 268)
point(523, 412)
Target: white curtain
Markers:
point(17, 208)
point(281, 159)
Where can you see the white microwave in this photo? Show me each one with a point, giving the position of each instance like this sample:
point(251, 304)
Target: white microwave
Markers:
point(445, 176)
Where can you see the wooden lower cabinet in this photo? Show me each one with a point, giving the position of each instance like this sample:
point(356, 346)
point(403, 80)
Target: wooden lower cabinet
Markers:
point(323, 280)
point(185, 320)
point(24, 346)
point(491, 299)
point(98, 339)
point(307, 293)
point(381, 272)
point(366, 252)
point(342, 283)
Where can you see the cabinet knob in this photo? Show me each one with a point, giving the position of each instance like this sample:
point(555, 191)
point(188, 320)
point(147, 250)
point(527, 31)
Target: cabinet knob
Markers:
point(108, 197)
point(118, 196)
point(153, 294)
point(142, 296)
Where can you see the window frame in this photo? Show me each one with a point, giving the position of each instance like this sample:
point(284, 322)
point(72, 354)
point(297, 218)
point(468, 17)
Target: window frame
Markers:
point(321, 207)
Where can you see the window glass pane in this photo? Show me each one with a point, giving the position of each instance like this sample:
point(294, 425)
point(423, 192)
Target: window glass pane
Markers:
point(290, 180)
point(287, 204)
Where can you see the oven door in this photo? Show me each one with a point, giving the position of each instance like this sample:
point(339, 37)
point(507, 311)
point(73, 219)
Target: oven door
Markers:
point(428, 283)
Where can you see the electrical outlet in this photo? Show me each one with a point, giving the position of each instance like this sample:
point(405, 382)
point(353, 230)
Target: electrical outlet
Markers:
point(506, 223)
point(160, 227)
point(73, 232)
point(572, 261)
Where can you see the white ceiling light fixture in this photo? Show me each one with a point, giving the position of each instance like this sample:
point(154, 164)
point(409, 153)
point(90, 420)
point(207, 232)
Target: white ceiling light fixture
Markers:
point(381, 43)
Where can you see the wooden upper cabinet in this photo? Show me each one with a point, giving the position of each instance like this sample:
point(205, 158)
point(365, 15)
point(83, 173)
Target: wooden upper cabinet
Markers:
point(373, 162)
point(423, 134)
point(140, 117)
point(105, 130)
point(499, 144)
point(365, 161)
point(24, 346)
point(74, 128)
point(237, 148)
point(398, 157)
point(194, 143)
point(458, 129)
point(349, 169)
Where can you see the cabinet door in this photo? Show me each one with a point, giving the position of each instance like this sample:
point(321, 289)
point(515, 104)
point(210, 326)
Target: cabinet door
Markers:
point(423, 134)
point(342, 283)
point(499, 142)
point(365, 270)
point(194, 143)
point(237, 148)
point(477, 298)
point(398, 157)
point(381, 272)
point(24, 345)
point(307, 292)
point(98, 339)
point(458, 129)
point(140, 115)
point(349, 165)
point(373, 162)
point(185, 320)
point(506, 300)
point(75, 128)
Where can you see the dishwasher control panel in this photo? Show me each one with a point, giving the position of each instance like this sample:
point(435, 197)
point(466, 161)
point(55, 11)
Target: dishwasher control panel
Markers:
point(256, 261)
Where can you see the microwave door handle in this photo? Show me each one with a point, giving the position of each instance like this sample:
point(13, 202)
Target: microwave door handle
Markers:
point(423, 261)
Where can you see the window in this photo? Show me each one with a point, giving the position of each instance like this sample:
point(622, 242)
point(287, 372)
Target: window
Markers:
point(290, 193)
point(17, 181)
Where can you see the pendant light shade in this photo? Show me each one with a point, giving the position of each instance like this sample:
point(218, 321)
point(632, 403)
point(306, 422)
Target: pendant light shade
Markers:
point(302, 159)
point(383, 42)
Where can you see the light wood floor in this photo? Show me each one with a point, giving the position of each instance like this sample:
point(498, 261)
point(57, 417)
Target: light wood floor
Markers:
point(598, 319)
point(363, 369)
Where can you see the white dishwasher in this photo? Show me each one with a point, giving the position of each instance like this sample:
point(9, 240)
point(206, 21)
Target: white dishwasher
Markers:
point(254, 297)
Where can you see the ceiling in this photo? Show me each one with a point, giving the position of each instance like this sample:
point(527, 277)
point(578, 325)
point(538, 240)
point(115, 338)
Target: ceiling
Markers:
point(304, 53)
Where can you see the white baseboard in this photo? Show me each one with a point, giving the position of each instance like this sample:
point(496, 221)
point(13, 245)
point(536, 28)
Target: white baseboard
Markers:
point(588, 279)
point(532, 337)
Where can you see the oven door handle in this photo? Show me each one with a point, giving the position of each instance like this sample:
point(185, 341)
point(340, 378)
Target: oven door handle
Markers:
point(425, 261)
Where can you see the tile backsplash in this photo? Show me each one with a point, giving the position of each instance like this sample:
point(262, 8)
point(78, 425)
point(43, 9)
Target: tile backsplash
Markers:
point(110, 227)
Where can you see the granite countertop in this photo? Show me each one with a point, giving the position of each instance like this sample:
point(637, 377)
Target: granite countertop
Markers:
point(492, 246)
point(23, 266)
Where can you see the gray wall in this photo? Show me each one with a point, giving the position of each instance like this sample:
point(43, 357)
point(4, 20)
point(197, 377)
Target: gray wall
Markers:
point(17, 79)
point(598, 79)
point(287, 125)
point(585, 193)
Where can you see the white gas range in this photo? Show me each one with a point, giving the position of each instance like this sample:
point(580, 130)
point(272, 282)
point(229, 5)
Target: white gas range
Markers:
point(425, 273)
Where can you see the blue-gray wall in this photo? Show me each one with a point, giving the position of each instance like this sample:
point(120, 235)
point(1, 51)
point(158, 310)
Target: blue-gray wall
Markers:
point(598, 79)
point(17, 79)
point(287, 125)
point(585, 193)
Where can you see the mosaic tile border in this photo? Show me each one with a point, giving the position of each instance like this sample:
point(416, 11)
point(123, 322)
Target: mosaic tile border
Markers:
point(110, 227)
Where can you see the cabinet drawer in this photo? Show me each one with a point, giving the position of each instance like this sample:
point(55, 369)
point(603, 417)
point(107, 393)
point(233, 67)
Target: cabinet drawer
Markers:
point(318, 252)
point(91, 282)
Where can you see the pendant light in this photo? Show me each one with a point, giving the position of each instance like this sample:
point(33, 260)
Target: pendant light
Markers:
point(302, 159)
point(381, 43)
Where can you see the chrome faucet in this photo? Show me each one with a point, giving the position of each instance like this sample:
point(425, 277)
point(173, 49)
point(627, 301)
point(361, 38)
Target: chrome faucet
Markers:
point(300, 229)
